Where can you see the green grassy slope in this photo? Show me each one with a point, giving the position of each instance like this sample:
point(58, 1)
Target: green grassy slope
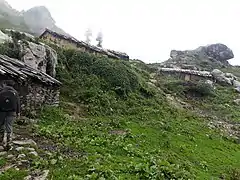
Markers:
point(131, 131)
point(113, 124)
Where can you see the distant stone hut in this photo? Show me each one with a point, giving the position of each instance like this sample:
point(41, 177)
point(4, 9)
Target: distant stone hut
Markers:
point(35, 87)
point(186, 74)
point(72, 43)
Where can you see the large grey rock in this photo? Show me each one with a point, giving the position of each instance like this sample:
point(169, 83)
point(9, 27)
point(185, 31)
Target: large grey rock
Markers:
point(203, 58)
point(230, 75)
point(221, 78)
point(217, 72)
point(219, 52)
point(51, 61)
point(237, 89)
point(237, 101)
point(34, 55)
point(236, 83)
point(39, 56)
point(25, 142)
point(34, 153)
point(20, 148)
point(20, 156)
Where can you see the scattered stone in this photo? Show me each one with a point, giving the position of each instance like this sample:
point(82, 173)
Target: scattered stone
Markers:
point(1, 148)
point(25, 142)
point(3, 153)
point(24, 161)
point(38, 175)
point(19, 148)
point(44, 175)
point(30, 149)
point(21, 156)
point(10, 156)
point(24, 164)
point(221, 78)
point(34, 153)
point(60, 158)
point(118, 132)
point(237, 89)
point(236, 83)
point(237, 101)
point(230, 75)
point(49, 153)
point(53, 161)
point(7, 168)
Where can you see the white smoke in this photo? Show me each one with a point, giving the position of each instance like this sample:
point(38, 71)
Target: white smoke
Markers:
point(99, 39)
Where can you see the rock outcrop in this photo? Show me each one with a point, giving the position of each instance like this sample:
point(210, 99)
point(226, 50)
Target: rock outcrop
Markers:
point(203, 58)
point(220, 52)
point(39, 56)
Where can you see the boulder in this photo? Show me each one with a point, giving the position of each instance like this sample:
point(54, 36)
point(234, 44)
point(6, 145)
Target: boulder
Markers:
point(219, 52)
point(34, 55)
point(203, 58)
point(230, 75)
point(217, 72)
point(25, 142)
point(221, 78)
point(39, 56)
point(236, 83)
point(237, 101)
point(237, 89)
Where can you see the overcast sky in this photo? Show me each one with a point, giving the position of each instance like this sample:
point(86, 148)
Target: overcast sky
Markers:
point(148, 29)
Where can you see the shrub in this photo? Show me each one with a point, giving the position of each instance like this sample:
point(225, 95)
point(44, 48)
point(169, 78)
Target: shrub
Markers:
point(99, 82)
point(201, 88)
point(10, 49)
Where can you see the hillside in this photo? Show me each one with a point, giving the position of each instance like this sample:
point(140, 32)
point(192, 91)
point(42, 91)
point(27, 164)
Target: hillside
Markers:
point(123, 120)
point(34, 20)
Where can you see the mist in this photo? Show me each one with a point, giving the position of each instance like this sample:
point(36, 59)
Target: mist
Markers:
point(148, 30)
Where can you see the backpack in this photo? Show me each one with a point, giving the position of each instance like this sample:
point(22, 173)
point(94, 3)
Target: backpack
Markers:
point(8, 100)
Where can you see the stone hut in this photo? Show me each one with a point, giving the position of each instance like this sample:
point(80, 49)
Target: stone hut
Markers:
point(186, 74)
point(72, 43)
point(35, 87)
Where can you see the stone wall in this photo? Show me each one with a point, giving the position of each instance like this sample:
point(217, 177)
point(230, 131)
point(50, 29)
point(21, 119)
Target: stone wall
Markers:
point(34, 95)
point(184, 76)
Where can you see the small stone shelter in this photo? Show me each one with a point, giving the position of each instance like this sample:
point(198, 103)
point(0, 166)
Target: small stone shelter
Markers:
point(186, 74)
point(35, 87)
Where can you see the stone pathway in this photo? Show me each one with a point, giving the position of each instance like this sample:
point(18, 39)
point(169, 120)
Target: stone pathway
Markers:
point(22, 155)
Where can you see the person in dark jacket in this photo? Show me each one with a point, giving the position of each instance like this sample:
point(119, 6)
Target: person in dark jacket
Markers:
point(7, 117)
